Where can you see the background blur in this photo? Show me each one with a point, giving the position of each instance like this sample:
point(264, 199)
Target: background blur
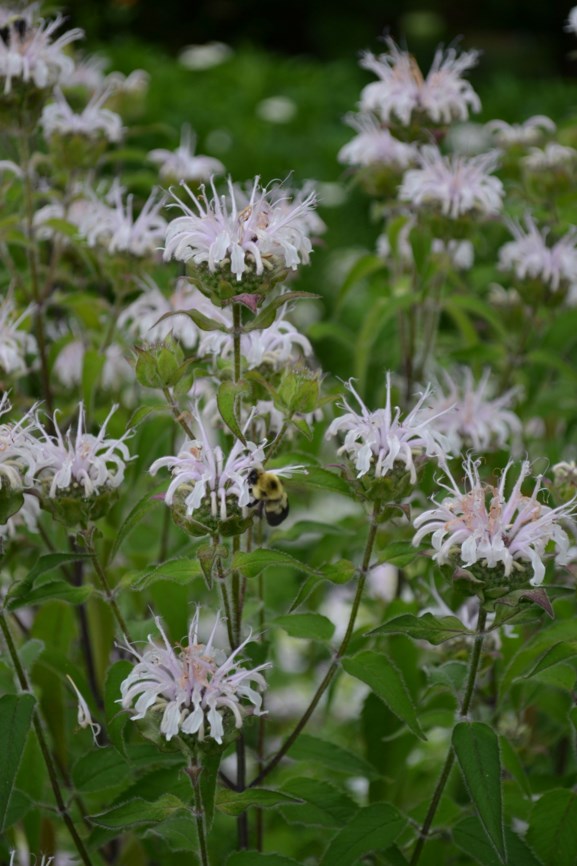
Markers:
point(524, 33)
point(272, 101)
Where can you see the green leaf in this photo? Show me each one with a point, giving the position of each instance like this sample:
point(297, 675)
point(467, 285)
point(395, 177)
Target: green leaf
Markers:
point(182, 571)
point(399, 553)
point(339, 572)
point(387, 682)
point(314, 750)
point(256, 858)
point(478, 307)
point(10, 503)
point(535, 651)
point(226, 400)
point(235, 803)
point(435, 630)
point(208, 777)
point(553, 827)
point(552, 360)
point(313, 626)
point(116, 717)
point(379, 314)
point(91, 369)
point(323, 805)
point(98, 770)
point(477, 750)
point(364, 267)
point(43, 565)
point(559, 652)
point(19, 806)
point(48, 588)
point(268, 314)
point(132, 520)
point(179, 833)
point(16, 713)
point(138, 811)
point(325, 480)
point(470, 837)
point(373, 828)
point(253, 563)
point(200, 320)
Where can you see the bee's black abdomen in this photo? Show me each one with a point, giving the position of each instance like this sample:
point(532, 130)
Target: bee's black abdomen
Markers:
point(276, 516)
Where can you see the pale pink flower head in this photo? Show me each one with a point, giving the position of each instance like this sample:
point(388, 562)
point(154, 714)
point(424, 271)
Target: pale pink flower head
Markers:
point(531, 132)
point(375, 146)
point(501, 538)
point(113, 225)
point(378, 442)
point(531, 255)
point(468, 414)
point(28, 51)
point(16, 344)
point(93, 122)
point(402, 94)
point(183, 163)
point(264, 236)
point(78, 460)
point(205, 479)
point(18, 463)
point(553, 157)
point(199, 689)
point(455, 186)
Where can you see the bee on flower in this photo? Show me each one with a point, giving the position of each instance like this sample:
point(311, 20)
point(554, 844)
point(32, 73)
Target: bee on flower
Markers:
point(29, 54)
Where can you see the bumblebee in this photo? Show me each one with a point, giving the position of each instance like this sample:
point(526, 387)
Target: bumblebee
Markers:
point(268, 496)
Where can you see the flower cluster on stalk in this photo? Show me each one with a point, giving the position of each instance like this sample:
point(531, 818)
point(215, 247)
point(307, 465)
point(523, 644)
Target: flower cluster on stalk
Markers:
point(200, 690)
point(531, 255)
point(215, 232)
point(79, 460)
point(468, 414)
point(502, 538)
point(402, 92)
point(378, 441)
point(94, 121)
point(456, 186)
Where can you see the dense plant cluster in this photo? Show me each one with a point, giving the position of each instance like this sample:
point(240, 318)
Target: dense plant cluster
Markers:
point(253, 612)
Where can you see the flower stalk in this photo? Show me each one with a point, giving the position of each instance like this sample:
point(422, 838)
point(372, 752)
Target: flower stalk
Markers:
point(450, 760)
point(328, 677)
point(36, 721)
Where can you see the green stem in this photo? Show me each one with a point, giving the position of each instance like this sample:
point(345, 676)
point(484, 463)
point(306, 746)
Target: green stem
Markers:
point(236, 332)
point(25, 686)
point(465, 704)
point(178, 415)
point(31, 252)
point(103, 579)
point(278, 439)
point(326, 681)
point(194, 773)
point(236, 595)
